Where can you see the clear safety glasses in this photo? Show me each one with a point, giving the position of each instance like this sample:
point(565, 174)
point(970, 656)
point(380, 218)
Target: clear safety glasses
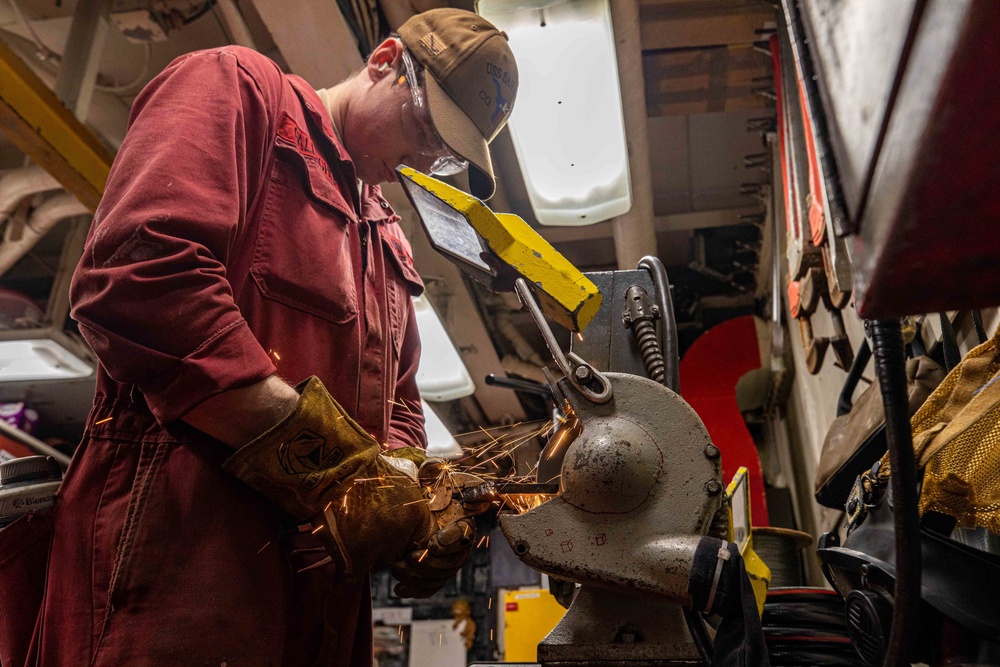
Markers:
point(417, 122)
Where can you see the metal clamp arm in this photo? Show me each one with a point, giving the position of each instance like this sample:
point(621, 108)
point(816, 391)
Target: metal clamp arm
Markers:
point(589, 381)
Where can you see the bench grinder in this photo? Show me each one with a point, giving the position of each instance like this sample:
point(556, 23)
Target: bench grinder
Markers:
point(638, 521)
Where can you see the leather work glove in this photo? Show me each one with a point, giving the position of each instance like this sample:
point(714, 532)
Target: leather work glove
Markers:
point(319, 465)
point(424, 571)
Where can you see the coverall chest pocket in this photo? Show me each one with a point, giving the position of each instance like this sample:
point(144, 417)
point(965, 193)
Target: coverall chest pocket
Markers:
point(303, 253)
point(402, 282)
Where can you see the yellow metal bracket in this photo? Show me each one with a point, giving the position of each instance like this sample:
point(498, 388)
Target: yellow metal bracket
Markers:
point(516, 250)
point(741, 533)
point(37, 122)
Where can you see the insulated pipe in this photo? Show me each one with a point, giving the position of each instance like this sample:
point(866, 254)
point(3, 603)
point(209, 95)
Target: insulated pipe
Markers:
point(635, 231)
point(45, 217)
point(17, 185)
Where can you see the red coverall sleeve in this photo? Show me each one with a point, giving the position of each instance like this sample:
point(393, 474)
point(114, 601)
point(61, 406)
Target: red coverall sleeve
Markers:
point(151, 293)
point(406, 424)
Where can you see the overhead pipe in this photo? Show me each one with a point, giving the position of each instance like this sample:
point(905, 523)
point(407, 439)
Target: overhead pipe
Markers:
point(43, 219)
point(24, 182)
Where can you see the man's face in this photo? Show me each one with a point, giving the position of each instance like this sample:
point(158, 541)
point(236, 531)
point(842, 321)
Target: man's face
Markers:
point(383, 129)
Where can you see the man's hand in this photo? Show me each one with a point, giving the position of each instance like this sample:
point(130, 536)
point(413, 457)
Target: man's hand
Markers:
point(425, 571)
point(380, 517)
point(320, 466)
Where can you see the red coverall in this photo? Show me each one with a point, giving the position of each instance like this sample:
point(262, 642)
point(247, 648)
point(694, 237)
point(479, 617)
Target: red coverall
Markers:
point(230, 244)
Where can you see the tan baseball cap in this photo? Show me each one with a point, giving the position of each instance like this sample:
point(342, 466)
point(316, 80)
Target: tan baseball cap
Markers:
point(471, 84)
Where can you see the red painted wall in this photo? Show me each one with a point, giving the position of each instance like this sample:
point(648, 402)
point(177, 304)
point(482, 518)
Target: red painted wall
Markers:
point(709, 372)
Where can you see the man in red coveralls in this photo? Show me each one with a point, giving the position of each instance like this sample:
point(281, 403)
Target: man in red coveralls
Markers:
point(250, 454)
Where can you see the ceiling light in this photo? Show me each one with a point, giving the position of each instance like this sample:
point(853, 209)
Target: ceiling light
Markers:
point(35, 359)
point(440, 441)
point(442, 376)
point(567, 126)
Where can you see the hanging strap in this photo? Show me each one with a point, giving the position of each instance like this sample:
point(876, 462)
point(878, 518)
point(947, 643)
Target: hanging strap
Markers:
point(846, 402)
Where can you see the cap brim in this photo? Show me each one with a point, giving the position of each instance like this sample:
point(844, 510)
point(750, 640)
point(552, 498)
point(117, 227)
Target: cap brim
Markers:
point(462, 137)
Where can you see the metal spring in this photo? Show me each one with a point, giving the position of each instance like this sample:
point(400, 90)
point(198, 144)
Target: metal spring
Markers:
point(720, 523)
point(649, 345)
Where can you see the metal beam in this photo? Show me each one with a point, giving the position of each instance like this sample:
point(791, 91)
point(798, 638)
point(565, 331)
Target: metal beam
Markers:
point(82, 55)
point(680, 26)
point(314, 39)
point(37, 123)
point(718, 78)
point(634, 234)
point(662, 223)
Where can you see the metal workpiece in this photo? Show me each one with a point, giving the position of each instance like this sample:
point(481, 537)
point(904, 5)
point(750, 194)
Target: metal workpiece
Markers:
point(633, 503)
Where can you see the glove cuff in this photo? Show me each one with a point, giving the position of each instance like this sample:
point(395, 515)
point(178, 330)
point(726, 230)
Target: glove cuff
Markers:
point(310, 456)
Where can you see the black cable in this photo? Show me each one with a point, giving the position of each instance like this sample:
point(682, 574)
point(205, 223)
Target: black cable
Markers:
point(977, 321)
point(890, 365)
point(668, 330)
point(949, 343)
point(699, 633)
point(845, 402)
point(917, 346)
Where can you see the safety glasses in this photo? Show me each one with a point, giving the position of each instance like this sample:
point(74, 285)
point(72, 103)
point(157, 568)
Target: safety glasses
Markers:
point(417, 122)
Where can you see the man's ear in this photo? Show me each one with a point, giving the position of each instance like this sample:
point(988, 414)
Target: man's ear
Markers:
point(385, 59)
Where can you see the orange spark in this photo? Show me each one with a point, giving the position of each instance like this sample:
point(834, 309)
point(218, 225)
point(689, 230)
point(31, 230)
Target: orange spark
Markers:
point(103, 421)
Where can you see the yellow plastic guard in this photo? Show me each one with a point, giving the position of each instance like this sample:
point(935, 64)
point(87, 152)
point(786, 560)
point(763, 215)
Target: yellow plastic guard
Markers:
point(564, 293)
point(740, 532)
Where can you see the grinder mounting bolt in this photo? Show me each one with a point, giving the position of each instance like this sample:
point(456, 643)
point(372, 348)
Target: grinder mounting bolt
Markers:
point(711, 452)
point(713, 487)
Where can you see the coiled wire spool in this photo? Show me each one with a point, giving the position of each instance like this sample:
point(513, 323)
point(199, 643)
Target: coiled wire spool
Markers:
point(781, 550)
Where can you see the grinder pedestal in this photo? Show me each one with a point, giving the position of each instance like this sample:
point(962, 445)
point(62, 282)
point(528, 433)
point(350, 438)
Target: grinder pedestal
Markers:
point(605, 628)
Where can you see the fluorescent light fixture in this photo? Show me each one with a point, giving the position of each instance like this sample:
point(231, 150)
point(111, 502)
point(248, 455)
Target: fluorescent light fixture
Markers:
point(39, 359)
point(440, 441)
point(442, 375)
point(567, 126)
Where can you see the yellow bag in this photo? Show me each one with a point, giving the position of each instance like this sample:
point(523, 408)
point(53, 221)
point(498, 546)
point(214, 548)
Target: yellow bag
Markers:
point(956, 439)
